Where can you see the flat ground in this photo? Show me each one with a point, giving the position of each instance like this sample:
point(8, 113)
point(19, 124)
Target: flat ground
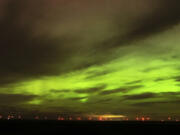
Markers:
point(52, 127)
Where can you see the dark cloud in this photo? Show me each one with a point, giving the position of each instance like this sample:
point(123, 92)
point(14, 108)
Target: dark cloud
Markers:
point(91, 90)
point(108, 92)
point(101, 101)
point(151, 69)
point(163, 17)
point(134, 82)
point(77, 98)
point(177, 78)
point(26, 56)
point(22, 55)
point(146, 104)
point(94, 74)
point(166, 98)
point(160, 79)
point(122, 90)
point(15, 99)
point(169, 95)
point(104, 100)
point(140, 96)
point(60, 91)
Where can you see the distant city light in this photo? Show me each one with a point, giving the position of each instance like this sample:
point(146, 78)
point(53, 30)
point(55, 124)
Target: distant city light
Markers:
point(89, 118)
point(9, 117)
point(19, 117)
point(36, 118)
point(79, 118)
point(108, 117)
point(169, 118)
point(143, 119)
point(148, 118)
point(61, 118)
point(100, 118)
point(137, 118)
point(92, 117)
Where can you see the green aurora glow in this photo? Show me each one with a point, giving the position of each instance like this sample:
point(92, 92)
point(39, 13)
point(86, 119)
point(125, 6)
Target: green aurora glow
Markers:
point(141, 76)
point(140, 68)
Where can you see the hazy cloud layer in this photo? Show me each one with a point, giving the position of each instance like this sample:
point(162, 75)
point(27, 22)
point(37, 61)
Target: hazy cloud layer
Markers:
point(72, 43)
point(89, 56)
point(140, 96)
point(14, 99)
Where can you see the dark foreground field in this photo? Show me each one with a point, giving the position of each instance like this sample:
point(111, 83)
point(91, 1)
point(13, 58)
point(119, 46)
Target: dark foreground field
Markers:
point(85, 127)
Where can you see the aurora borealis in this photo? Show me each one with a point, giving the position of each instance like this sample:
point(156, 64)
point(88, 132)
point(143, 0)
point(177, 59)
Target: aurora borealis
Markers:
point(90, 57)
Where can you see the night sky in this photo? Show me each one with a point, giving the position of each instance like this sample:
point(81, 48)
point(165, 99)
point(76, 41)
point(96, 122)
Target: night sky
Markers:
point(90, 57)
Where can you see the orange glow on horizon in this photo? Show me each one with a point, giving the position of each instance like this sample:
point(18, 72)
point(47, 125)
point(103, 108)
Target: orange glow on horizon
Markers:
point(107, 117)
